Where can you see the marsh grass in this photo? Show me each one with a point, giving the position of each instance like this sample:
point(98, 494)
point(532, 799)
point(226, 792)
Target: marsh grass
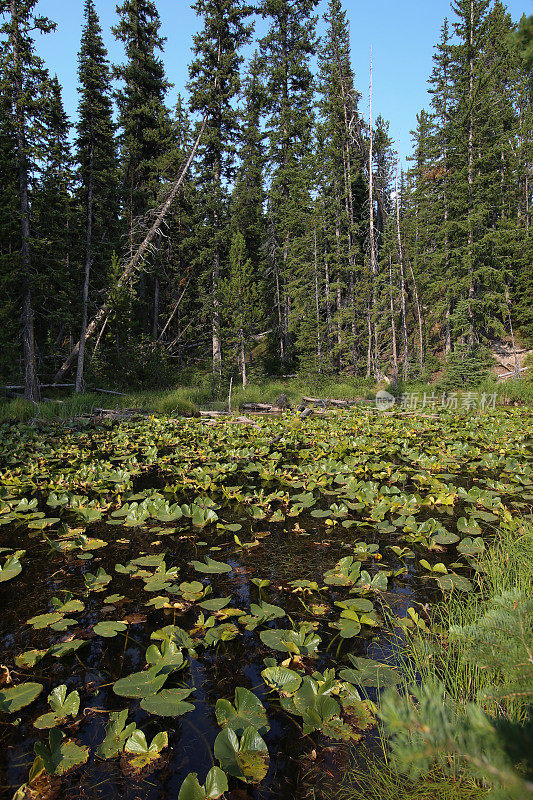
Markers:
point(187, 399)
point(372, 778)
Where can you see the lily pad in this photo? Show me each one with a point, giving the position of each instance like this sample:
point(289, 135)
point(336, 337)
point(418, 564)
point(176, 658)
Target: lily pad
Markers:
point(168, 703)
point(246, 758)
point(17, 697)
point(248, 710)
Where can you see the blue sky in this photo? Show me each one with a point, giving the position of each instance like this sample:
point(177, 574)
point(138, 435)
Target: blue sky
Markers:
point(402, 34)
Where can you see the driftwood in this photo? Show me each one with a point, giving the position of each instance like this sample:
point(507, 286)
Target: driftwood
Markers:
point(512, 374)
point(133, 263)
point(266, 408)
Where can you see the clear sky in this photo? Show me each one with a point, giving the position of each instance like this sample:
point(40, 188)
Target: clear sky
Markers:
point(402, 34)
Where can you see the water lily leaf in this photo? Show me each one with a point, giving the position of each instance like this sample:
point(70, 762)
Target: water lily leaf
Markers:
point(303, 642)
point(446, 537)
point(248, 710)
point(247, 758)
point(67, 606)
point(140, 684)
point(109, 629)
point(117, 732)
point(63, 705)
point(61, 754)
point(370, 673)
point(215, 604)
point(468, 526)
point(211, 567)
point(215, 785)
point(12, 567)
point(168, 703)
point(285, 681)
point(142, 753)
point(174, 634)
point(66, 648)
point(453, 581)
point(114, 598)
point(17, 697)
point(471, 547)
point(30, 658)
point(96, 583)
point(44, 620)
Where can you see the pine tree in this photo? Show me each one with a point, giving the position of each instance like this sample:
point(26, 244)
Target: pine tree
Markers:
point(144, 138)
point(248, 198)
point(214, 84)
point(342, 180)
point(287, 49)
point(96, 155)
point(53, 224)
point(26, 83)
point(240, 293)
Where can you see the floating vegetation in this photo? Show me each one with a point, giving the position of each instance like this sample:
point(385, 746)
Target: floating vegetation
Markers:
point(214, 605)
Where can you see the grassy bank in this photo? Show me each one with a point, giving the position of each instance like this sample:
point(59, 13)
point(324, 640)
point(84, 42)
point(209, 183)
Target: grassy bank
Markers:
point(198, 394)
point(188, 399)
point(469, 686)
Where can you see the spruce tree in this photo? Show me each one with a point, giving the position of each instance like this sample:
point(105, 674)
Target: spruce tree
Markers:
point(53, 224)
point(342, 182)
point(287, 50)
point(26, 82)
point(214, 84)
point(97, 163)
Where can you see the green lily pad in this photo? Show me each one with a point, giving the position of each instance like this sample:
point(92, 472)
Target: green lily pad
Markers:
point(110, 628)
point(140, 684)
point(246, 758)
point(17, 697)
point(248, 710)
point(168, 703)
point(211, 567)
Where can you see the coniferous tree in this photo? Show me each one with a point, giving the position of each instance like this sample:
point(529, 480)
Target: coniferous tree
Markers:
point(26, 80)
point(287, 49)
point(97, 163)
point(343, 183)
point(214, 84)
point(53, 219)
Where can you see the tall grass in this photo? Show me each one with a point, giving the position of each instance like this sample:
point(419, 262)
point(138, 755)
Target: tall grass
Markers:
point(187, 399)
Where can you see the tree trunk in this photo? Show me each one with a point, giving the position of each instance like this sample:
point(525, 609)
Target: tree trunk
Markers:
point(317, 309)
point(405, 364)
point(85, 293)
point(393, 323)
point(373, 264)
point(137, 259)
point(471, 332)
point(31, 381)
point(242, 359)
point(419, 318)
point(155, 320)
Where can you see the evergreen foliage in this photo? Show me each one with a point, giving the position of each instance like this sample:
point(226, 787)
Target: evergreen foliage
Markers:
point(431, 271)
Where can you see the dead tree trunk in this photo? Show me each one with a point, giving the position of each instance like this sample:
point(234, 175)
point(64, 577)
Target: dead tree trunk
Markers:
point(137, 258)
point(402, 277)
point(393, 322)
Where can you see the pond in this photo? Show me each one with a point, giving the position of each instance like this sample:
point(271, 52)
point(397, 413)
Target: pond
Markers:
point(177, 596)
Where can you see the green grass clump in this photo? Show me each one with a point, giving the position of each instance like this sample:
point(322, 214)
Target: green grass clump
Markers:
point(373, 778)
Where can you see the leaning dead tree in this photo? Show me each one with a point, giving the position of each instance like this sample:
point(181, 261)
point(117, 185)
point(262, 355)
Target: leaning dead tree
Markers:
point(136, 260)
